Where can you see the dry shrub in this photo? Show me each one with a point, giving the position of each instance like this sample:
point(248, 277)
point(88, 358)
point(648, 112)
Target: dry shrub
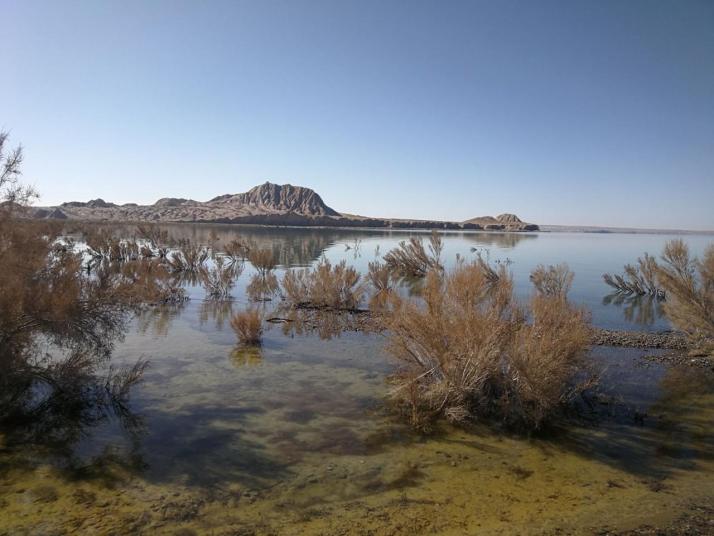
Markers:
point(154, 236)
point(236, 250)
point(689, 284)
point(411, 259)
point(263, 260)
point(324, 286)
point(13, 194)
point(58, 324)
point(552, 281)
point(248, 326)
point(468, 350)
point(219, 279)
point(102, 245)
point(383, 282)
point(188, 258)
point(142, 282)
point(640, 279)
point(46, 296)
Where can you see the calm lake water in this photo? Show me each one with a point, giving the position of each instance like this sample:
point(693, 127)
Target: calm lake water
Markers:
point(294, 438)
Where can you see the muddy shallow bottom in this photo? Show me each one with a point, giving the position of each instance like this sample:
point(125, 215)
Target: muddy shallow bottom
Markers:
point(294, 439)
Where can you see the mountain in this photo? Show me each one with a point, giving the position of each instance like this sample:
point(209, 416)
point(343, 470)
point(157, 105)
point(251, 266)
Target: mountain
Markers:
point(266, 204)
point(502, 222)
point(281, 198)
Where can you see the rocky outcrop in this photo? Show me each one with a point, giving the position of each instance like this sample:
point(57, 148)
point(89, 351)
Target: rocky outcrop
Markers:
point(503, 222)
point(173, 202)
point(271, 197)
point(267, 204)
point(507, 219)
point(94, 203)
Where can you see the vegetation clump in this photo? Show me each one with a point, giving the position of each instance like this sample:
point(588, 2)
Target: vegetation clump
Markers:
point(468, 350)
point(552, 281)
point(413, 259)
point(324, 287)
point(264, 284)
point(689, 284)
point(189, 257)
point(58, 322)
point(639, 280)
point(262, 260)
point(686, 282)
point(219, 279)
point(383, 282)
point(248, 326)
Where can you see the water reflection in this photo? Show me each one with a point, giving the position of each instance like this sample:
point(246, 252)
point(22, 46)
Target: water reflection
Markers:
point(157, 320)
point(325, 324)
point(643, 310)
point(217, 312)
point(246, 356)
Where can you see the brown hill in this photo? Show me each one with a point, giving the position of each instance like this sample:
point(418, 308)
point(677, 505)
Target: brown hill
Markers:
point(267, 204)
point(271, 197)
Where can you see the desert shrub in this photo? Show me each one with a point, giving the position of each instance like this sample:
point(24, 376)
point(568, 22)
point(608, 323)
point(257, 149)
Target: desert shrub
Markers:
point(324, 286)
point(188, 257)
point(13, 194)
point(689, 286)
point(58, 323)
point(262, 260)
point(248, 326)
point(383, 282)
point(153, 235)
point(639, 279)
point(380, 277)
point(412, 259)
point(468, 350)
point(219, 279)
point(552, 281)
point(46, 297)
point(236, 250)
point(143, 282)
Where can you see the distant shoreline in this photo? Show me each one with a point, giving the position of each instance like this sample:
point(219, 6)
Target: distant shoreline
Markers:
point(588, 229)
point(544, 229)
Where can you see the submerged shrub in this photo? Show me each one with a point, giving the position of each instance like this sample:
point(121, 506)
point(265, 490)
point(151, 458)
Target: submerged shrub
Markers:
point(236, 250)
point(188, 257)
point(552, 281)
point(640, 279)
point(324, 286)
point(248, 326)
point(220, 278)
point(263, 260)
point(468, 350)
point(383, 282)
point(411, 259)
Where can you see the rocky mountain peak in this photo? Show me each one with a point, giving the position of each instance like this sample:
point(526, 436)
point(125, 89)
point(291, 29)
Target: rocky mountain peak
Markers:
point(508, 218)
point(285, 198)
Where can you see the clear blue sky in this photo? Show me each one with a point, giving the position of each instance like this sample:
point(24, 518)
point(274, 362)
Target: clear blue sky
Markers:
point(571, 112)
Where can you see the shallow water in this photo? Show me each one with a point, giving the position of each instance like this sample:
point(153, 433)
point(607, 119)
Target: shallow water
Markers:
point(294, 438)
point(589, 255)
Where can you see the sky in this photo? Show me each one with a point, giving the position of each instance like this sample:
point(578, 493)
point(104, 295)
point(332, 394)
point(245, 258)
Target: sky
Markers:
point(571, 112)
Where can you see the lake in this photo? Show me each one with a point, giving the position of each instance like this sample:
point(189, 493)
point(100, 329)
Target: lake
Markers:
point(294, 437)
